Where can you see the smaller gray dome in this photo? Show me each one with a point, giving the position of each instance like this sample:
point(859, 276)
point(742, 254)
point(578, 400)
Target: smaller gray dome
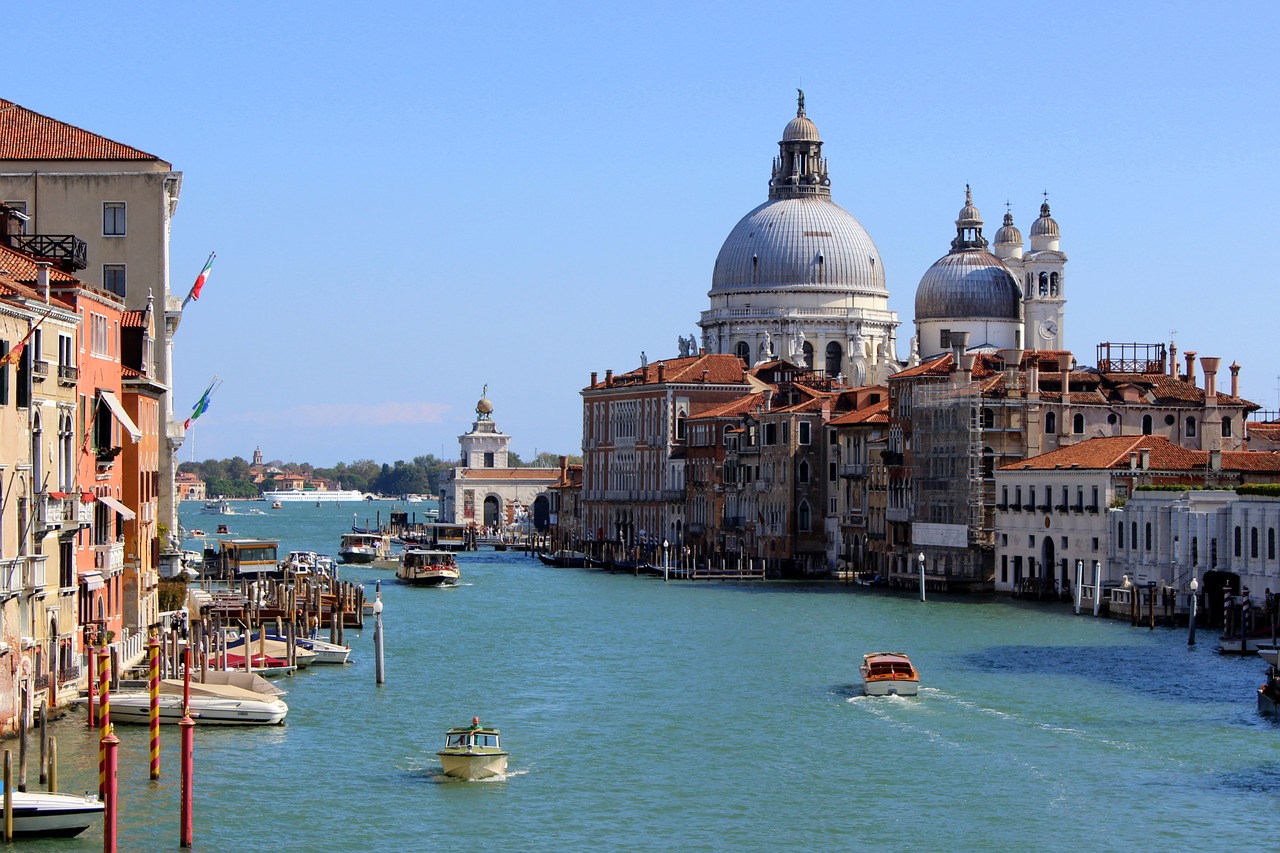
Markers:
point(1008, 232)
point(970, 284)
point(1044, 226)
point(800, 129)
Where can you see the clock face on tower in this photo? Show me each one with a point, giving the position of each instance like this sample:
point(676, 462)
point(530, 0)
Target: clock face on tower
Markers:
point(1048, 329)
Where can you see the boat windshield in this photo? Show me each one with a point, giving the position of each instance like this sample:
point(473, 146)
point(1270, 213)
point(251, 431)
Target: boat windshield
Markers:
point(471, 739)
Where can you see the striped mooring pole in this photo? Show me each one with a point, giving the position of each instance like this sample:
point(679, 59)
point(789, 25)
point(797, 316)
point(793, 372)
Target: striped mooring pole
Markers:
point(153, 658)
point(93, 677)
point(110, 743)
point(104, 719)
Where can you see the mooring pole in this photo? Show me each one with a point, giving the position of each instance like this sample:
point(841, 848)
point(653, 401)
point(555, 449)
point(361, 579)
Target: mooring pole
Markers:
point(153, 658)
point(110, 744)
point(379, 672)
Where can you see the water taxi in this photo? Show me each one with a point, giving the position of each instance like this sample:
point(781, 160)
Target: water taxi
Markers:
point(220, 506)
point(428, 568)
point(473, 752)
point(363, 547)
point(889, 674)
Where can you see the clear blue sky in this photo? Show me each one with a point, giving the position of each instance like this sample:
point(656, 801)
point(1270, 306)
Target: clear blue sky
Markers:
point(410, 201)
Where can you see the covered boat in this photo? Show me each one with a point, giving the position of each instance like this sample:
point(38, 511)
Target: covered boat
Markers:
point(473, 752)
point(889, 673)
point(211, 705)
point(39, 814)
point(428, 568)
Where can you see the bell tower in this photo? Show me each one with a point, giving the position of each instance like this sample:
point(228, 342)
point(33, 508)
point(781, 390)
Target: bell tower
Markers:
point(1044, 285)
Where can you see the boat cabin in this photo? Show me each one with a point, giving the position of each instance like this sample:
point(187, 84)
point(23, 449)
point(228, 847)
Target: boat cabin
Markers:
point(239, 557)
point(472, 739)
point(445, 537)
point(889, 666)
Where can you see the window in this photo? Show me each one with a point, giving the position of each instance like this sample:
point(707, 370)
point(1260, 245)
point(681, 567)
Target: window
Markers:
point(1133, 534)
point(802, 517)
point(98, 343)
point(4, 375)
point(802, 473)
point(488, 459)
point(1195, 551)
point(1253, 542)
point(1146, 424)
point(744, 352)
point(113, 219)
point(1094, 543)
point(113, 278)
point(770, 434)
point(1226, 427)
point(1050, 423)
point(1077, 425)
point(805, 428)
point(1271, 543)
point(835, 358)
point(1237, 541)
point(1191, 427)
point(1120, 535)
point(66, 351)
point(1147, 542)
point(944, 341)
point(988, 419)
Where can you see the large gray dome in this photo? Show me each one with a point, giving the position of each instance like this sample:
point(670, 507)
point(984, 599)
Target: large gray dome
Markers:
point(966, 285)
point(798, 242)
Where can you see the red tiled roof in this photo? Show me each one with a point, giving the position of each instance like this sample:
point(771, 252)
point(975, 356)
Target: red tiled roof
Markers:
point(1113, 452)
point(721, 369)
point(875, 413)
point(133, 319)
point(28, 135)
point(1245, 460)
point(733, 408)
point(22, 268)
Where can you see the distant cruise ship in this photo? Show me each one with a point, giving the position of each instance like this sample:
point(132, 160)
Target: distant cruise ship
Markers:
point(327, 495)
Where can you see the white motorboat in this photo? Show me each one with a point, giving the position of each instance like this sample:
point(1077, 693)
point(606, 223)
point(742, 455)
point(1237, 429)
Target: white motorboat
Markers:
point(275, 649)
point(428, 568)
point(218, 507)
point(211, 705)
point(473, 752)
point(364, 547)
point(325, 652)
point(38, 814)
point(889, 674)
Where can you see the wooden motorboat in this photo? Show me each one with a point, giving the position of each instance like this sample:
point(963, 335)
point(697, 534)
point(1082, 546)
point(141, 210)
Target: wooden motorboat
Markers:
point(428, 568)
point(325, 652)
point(211, 705)
point(39, 814)
point(473, 752)
point(889, 674)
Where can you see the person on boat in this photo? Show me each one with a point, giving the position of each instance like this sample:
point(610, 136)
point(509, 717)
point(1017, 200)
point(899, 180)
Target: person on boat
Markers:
point(475, 723)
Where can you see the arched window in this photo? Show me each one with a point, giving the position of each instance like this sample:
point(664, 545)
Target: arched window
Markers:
point(835, 358)
point(1191, 427)
point(1271, 543)
point(743, 351)
point(1044, 284)
point(802, 516)
point(1237, 541)
point(1053, 284)
point(1226, 427)
point(1050, 423)
point(988, 463)
point(1147, 539)
point(802, 473)
point(808, 354)
point(1120, 534)
point(988, 419)
point(1077, 424)
point(680, 417)
point(1253, 542)
point(1146, 424)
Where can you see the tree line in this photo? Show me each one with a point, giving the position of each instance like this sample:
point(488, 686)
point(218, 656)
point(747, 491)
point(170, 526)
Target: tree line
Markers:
point(424, 475)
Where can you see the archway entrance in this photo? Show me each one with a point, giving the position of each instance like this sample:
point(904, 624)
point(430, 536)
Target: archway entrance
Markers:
point(491, 512)
point(541, 512)
point(1047, 563)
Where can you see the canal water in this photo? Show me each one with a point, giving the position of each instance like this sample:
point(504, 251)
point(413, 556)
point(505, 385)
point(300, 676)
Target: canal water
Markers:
point(643, 715)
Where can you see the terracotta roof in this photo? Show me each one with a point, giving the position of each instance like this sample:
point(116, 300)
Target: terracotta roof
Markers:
point(133, 319)
point(22, 267)
point(1245, 460)
point(28, 135)
point(733, 408)
point(1113, 452)
point(876, 413)
point(721, 369)
point(548, 474)
point(1271, 431)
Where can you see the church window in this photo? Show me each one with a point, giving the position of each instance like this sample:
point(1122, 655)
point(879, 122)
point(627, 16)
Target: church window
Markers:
point(744, 352)
point(1077, 424)
point(1044, 284)
point(1050, 423)
point(1191, 427)
point(488, 459)
point(1053, 284)
point(755, 268)
point(835, 357)
point(1146, 424)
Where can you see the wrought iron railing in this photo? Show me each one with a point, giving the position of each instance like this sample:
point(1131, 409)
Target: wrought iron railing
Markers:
point(58, 247)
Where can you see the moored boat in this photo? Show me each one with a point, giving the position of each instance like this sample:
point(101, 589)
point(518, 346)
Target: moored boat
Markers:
point(428, 568)
point(564, 559)
point(211, 705)
point(473, 752)
point(888, 674)
point(39, 814)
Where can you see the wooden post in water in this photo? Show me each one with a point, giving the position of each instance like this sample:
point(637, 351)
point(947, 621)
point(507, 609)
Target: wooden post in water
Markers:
point(341, 602)
point(93, 670)
point(8, 797)
point(111, 744)
point(379, 675)
point(44, 743)
point(153, 683)
point(24, 711)
point(104, 719)
point(53, 764)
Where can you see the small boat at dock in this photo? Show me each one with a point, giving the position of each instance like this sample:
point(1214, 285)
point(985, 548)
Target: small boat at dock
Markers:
point(889, 674)
point(40, 814)
point(473, 752)
point(564, 559)
point(211, 705)
point(428, 568)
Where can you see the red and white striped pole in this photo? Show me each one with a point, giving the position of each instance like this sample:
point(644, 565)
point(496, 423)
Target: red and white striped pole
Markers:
point(104, 718)
point(110, 744)
point(93, 689)
point(153, 656)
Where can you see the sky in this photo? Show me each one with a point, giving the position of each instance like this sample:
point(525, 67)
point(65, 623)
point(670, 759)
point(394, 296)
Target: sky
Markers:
point(413, 201)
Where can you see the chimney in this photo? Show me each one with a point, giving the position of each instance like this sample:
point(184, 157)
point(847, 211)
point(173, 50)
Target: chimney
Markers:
point(702, 351)
point(1215, 459)
point(1210, 366)
point(1173, 360)
point(1190, 356)
point(705, 374)
point(1146, 459)
point(966, 367)
point(1235, 379)
point(594, 378)
point(42, 279)
point(1064, 363)
point(662, 372)
point(768, 399)
point(608, 378)
point(1033, 376)
point(1133, 460)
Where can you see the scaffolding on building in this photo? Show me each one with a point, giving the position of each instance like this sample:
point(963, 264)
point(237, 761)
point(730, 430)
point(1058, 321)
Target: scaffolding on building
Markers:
point(947, 468)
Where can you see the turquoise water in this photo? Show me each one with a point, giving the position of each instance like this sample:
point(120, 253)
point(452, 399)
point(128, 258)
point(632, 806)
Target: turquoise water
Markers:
point(642, 716)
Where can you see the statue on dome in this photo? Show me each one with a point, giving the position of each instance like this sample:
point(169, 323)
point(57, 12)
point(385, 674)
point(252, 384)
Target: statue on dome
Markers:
point(800, 104)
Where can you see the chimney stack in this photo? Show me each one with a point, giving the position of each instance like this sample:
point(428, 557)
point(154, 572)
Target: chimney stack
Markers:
point(42, 279)
point(608, 378)
point(595, 377)
point(662, 372)
point(1146, 459)
point(768, 399)
point(1133, 460)
point(1190, 356)
point(1235, 379)
point(1215, 459)
point(1173, 360)
point(1210, 367)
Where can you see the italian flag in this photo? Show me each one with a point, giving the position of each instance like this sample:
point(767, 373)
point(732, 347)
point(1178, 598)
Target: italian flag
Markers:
point(200, 280)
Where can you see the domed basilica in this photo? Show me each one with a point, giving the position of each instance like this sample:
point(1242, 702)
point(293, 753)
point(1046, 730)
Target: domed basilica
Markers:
point(799, 278)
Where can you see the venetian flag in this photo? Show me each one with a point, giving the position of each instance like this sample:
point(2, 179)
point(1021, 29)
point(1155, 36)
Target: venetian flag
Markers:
point(14, 355)
point(200, 280)
point(202, 405)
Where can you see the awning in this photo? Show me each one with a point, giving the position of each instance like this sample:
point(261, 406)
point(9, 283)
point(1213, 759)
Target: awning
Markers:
point(92, 580)
point(121, 415)
point(118, 507)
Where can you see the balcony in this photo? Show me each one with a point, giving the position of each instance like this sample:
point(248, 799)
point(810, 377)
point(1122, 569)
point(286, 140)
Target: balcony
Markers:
point(734, 522)
point(897, 514)
point(10, 576)
point(856, 469)
point(1044, 508)
point(39, 369)
point(61, 248)
point(68, 375)
point(1078, 508)
point(109, 559)
point(33, 573)
point(1028, 507)
point(1062, 508)
point(1002, 507)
